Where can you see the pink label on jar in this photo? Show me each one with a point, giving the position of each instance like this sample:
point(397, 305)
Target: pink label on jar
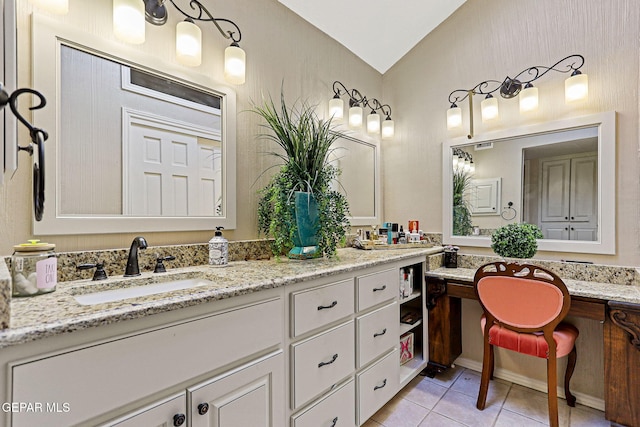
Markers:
point(47, 273)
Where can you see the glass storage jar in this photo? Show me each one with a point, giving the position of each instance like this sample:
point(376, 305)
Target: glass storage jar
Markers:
point(34, 269)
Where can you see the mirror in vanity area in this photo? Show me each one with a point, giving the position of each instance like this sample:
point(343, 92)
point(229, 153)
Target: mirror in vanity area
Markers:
point(136, 144)
point(558, 175)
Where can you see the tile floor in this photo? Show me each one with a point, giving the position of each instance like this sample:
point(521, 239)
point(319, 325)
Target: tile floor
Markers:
point(449, 400)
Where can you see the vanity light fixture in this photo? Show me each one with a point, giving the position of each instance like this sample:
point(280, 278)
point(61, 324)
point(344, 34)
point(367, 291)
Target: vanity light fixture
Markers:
point(129, 21)
point(576, 88)
point(357, 103)
point(59, 7)
point(463, 161)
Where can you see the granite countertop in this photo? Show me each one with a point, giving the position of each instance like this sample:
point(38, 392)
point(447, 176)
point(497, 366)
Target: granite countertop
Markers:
point(580, 288)
point(58, 312)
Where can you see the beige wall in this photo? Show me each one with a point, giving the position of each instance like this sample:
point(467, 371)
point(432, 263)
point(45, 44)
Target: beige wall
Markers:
point(489, 39)
point(280, 47)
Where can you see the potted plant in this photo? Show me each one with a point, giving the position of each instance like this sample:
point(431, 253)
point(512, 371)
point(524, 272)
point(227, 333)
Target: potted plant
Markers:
point(516, 240)
point(461, 213)
point(298, 208)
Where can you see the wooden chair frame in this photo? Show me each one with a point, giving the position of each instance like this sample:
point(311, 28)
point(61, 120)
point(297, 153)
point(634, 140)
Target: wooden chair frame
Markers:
point(532, 272)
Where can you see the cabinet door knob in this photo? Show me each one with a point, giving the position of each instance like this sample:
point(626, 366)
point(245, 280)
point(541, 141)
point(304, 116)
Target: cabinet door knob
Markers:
point(566, 217)
point(572, 229)
point(333, 304)
point(384, 383)
point(333, 359)
point(203, 408)
point(571, 217)
point(179, 419)
point(334, 422)
point(377, 334)
point(382, 288)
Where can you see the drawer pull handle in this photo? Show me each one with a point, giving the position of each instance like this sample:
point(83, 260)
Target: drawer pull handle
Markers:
point(382, 288)
point(322, 307)
point(334, 422)
point(203, 408)
point(378, 334)
point(179, 419)
point(384, 383)
point(333, 359)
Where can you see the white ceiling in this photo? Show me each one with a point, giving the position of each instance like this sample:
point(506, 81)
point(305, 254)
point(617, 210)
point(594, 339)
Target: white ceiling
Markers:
point(378, 31)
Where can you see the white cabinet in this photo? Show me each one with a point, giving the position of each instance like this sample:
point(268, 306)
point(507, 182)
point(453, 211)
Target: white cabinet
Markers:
point(250, 395)
point(569, 203)
point(345, 366)
point(484, 196)
point(413, 319)
point(171, 411)
point(100, 379)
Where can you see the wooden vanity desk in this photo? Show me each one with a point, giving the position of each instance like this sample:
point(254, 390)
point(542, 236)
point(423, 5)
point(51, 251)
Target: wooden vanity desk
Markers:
point(621, 335)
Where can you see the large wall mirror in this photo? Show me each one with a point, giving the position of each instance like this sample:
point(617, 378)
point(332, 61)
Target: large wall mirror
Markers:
point(359, 162)
point(558, 175)
point(135, 145)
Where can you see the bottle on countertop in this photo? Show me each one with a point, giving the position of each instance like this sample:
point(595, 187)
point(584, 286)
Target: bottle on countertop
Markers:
point(34, 268)
point(218, 249)
point(402, 237)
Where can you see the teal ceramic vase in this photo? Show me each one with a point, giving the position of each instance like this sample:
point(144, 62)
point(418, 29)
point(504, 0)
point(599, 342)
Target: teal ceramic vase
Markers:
point(305, 238)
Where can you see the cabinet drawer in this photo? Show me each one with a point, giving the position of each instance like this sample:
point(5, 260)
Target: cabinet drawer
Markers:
point(102, 378)
point(377, 333)
point(320, 306)
point(377, 385)
point(321, 361)
point(377, 287)
point(339, 406)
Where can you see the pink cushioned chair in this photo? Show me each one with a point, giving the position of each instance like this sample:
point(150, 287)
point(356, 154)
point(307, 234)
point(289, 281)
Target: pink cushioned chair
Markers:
point(523, 310)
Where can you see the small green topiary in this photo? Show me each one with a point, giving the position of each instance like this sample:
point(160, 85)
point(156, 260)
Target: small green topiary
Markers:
point(516, 240)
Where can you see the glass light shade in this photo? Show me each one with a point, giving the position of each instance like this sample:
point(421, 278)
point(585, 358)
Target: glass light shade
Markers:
point(388, 129)
point(234, 65)
point(355, 117)
point(472, 167)
point(454, 117)
point(128, 20)
point(336, 108)
point(528, 99)
point(489, 108)
point(188, 44)
point(467, 166)
point(60, 7)
point(455, 161)
point(373, 123)
point(576, 88)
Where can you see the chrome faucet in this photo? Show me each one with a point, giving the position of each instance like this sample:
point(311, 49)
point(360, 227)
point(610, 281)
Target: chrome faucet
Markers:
point(132, 263)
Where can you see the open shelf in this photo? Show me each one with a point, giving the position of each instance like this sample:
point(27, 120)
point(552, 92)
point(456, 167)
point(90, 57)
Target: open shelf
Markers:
point(409, 369)
point(411, 297)
point(405, 327)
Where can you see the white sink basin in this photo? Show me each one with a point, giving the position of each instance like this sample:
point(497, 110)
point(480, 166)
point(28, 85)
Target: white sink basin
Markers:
point(120, 294)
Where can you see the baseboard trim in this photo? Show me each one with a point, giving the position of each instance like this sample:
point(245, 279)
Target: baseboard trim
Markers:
point(504, 374)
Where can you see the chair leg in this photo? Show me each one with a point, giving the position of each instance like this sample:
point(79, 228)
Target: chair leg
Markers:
point(552, 389)
point(571, 364)
point(487, 370)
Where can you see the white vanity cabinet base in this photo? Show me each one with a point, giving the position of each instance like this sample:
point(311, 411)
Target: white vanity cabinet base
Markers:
point(159, 414)
point(320, 306)
point(377, 333)
point(250, 395)
point(339, 406)
point(377, 385)
point(101, 378)
point(321, 361)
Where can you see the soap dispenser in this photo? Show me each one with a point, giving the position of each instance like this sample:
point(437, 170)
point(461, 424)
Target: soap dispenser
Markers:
point(218, 249)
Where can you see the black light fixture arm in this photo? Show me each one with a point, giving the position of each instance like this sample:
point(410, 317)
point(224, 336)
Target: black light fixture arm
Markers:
point(201, 14)
point(510, 87)
point(357, 99)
